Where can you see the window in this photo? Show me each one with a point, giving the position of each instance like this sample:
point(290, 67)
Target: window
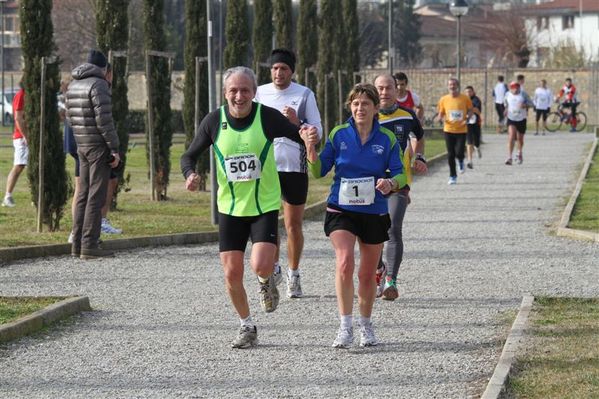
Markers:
point(567, 22)
point(542, 23)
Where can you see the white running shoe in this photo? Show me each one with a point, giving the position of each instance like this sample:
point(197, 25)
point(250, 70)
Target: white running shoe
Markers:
point(367, 337)
point(345, 338)
point(452, 180)
point(277, 273)
point(247, 337)
point(108, 229)
point(294, 287)
point(8, 202)
point(269, 295)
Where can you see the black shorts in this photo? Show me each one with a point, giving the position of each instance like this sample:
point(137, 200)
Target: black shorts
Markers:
point(369, 228)
point(234, 231)
point(520, 125)
point(542, 113)
point(294, 187)
point(113, 174)
point(473, 135)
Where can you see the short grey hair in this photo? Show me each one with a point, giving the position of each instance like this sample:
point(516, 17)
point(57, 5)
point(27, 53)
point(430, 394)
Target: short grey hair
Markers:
point(240, 70)
point(454, 80)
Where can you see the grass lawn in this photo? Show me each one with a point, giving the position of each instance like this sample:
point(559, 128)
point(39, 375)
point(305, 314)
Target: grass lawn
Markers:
point(561, 359)
point(586, 209)
point(137, 215)
point(12, 308)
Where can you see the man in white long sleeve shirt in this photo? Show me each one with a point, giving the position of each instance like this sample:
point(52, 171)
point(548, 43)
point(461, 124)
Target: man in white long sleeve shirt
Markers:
point(298, 104)
point(542, 101)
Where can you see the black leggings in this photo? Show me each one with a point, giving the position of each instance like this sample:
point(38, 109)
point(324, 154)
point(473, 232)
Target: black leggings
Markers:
point(456, 145)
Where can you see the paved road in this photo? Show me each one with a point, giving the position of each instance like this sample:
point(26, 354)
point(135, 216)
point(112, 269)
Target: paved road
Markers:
point(162, 326)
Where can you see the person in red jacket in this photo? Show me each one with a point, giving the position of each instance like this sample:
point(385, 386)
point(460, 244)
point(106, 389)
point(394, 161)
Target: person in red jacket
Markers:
point(568, 91)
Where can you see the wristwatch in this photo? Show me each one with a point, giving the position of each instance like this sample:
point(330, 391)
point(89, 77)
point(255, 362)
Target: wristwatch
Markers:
point(420, 157)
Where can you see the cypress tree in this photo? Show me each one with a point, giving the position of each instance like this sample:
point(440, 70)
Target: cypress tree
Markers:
point(112, 28)
point(37, 41)
point(407, 33)
point(195, 46)
point(160, 81)
point(307, 39)
point(262, 37)
point(283, 16)
point(236, 34)
point(350, 60)
point(328, 60)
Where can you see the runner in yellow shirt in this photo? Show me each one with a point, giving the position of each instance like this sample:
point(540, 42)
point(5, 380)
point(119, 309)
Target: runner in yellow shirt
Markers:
point(454, 109)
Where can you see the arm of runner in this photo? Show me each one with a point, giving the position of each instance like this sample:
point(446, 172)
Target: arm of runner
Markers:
point(203, 139)
point(313, 114)
point(321, 165)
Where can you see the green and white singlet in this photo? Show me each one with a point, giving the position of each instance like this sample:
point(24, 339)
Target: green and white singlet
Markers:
point(246, 170)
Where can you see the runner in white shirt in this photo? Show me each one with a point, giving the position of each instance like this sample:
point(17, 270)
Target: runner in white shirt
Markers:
point(542, 101)
point(298, 104)
point(516, 109)
point(499, 92)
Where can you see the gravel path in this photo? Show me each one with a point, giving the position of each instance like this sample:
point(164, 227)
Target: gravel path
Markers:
point(162, 325)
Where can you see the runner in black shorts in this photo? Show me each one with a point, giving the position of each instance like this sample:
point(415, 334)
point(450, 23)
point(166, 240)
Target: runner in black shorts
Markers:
point(234, 231)
point(294, 187)
point(370, 229)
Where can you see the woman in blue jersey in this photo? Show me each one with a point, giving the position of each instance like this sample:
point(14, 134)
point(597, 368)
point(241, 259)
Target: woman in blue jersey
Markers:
point(361, 151)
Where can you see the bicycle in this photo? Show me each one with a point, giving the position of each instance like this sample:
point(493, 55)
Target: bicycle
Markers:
point(557, 118)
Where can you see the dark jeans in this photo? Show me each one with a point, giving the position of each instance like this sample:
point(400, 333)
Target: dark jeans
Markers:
point(94, 172)
point(456, 145)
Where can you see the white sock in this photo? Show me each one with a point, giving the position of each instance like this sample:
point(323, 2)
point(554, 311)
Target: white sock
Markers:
point(365, 321)
point(263, 280)
point(295, 272)
point(8, 195)
point(247, 322)
point(346, 321)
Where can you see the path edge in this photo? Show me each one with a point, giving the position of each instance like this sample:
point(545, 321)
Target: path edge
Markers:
point(563, 230)
point(43, 318)
point(496, 384)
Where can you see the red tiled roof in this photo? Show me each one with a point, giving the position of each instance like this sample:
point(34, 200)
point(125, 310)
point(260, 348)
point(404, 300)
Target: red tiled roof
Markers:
point(571, 5)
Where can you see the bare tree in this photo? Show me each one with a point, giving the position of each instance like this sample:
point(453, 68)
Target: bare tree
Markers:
point(510, 37)
point(74, 30)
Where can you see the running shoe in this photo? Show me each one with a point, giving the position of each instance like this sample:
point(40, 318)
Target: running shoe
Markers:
point(8, 202)
point(108, 229)
point(294, 287)
point(469, 165)
point(367, 337)
point(508, 161)
point(478, 152)
point(247, 337)
point(390, 292)
point(380, 281)
point(269, 295)
point(461, 166)
point(573, 130)
point(345, 338)
point(519, 159)
point(278, 273)
point(452, 180)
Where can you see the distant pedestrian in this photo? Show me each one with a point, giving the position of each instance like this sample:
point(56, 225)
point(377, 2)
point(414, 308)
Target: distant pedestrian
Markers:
point(516, 111)
point(408, 98)
point(499, 92)
point(19, 142)
point(474, 127)
point(542, 103)
point(454, 109)
point(89, 112)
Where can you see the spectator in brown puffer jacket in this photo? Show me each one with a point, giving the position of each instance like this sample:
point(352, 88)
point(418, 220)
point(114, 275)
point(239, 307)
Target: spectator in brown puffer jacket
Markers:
point(89, 111)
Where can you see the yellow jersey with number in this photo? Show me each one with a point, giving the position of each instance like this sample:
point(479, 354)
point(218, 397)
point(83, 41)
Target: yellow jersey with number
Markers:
point(455, 110)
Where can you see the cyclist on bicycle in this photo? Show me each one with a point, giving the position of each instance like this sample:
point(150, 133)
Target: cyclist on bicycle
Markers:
point(568, 91)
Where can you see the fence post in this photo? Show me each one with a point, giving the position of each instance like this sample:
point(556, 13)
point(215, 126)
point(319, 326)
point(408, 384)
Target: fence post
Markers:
point(486, 95)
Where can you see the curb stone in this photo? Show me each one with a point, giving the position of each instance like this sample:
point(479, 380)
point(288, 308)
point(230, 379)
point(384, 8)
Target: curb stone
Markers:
point(43, 318)
point(563, 230)
point(496, 384)
point(39, 251)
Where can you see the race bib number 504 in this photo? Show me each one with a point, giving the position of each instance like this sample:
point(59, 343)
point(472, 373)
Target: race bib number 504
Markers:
point(358, 191)
point(244, 167)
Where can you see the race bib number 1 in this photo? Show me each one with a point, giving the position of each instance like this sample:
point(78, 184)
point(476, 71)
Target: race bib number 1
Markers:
point(359, 191)
point(243, 167)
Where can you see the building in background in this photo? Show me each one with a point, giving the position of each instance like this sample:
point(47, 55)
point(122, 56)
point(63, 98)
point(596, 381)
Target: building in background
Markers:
point(12, 37)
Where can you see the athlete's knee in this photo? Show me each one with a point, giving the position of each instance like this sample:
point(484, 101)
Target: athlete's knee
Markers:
point(233, 275)
point(345, 266)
